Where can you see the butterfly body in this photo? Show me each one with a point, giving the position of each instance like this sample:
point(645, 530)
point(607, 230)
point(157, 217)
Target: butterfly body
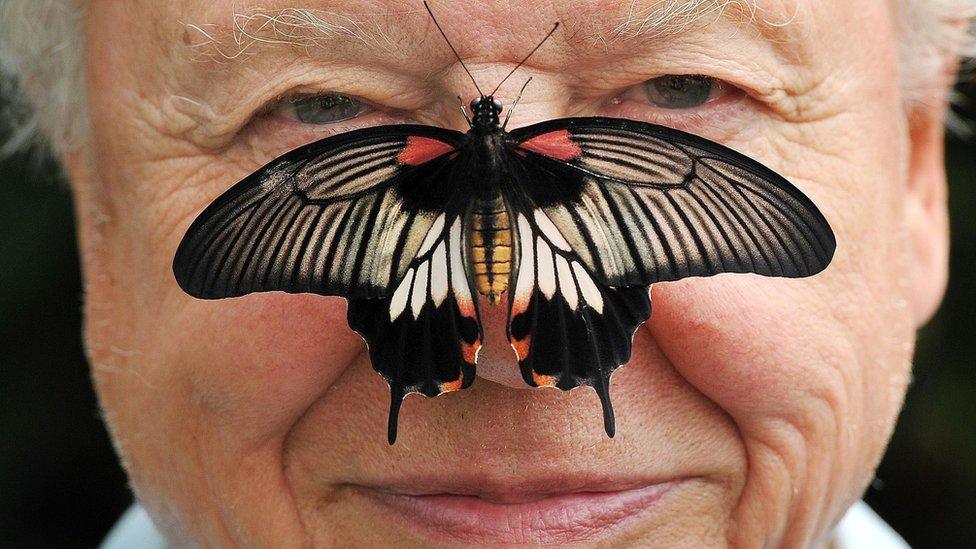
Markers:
point(490, 246)
point(488, 221)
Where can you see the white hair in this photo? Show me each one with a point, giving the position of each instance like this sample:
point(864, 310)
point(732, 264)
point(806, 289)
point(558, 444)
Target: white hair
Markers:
point(42, 48)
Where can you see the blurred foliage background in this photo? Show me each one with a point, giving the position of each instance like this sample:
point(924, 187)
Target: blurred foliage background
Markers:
point(61, 485)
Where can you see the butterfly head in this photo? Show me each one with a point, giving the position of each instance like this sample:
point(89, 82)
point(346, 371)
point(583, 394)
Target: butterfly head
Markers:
point(486, 110)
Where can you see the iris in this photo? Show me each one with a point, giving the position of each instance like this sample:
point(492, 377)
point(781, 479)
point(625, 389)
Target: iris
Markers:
point(325, 108)
point(675, 91)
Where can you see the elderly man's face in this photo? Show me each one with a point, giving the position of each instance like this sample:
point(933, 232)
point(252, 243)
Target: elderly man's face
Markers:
point(754, 410)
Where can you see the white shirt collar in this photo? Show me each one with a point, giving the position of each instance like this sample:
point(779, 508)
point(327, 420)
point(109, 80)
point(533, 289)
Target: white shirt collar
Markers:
point(861, 527)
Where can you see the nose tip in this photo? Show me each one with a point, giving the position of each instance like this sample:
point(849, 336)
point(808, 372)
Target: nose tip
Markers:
point(496, 360)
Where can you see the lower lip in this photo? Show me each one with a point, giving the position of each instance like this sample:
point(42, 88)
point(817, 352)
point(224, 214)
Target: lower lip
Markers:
point(563, 518)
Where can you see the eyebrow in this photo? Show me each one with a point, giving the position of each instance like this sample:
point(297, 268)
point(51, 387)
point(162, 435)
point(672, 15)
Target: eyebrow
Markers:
point(667, 17)
point(301, 27)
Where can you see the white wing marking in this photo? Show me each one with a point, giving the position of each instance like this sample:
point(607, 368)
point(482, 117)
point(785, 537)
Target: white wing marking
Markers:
point(419, 295)
point(523, 285)
point(432, 235)
point(438, 275)
point(591, 294)
point(547, 273)
point(550, 231)
point(399, 301)
point(567, 286)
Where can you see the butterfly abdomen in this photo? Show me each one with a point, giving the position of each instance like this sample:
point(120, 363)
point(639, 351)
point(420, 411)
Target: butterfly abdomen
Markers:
point(490, 249)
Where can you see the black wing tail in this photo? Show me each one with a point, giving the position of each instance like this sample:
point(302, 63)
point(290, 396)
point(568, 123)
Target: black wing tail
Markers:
point(426, 336)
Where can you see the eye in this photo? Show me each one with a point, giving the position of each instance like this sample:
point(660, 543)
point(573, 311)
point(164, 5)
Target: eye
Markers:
point(323, 108)
point(675, 91)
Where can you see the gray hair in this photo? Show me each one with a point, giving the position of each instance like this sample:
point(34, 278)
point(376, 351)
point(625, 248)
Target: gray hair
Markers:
point(42, 48)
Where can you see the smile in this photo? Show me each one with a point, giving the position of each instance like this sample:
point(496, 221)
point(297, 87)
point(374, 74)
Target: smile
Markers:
point(545, 512)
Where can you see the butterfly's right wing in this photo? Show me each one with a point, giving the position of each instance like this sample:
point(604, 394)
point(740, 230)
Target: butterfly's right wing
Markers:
point(373, 215)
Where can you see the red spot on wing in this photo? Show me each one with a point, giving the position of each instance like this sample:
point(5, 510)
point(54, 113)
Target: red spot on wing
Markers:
point(422, 149)
point(521, 347)
point(544, 380)
point(470, 351)
point(555, 144)
point(451, 386)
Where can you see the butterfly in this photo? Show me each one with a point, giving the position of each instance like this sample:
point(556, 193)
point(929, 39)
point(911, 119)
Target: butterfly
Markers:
point(566, 222)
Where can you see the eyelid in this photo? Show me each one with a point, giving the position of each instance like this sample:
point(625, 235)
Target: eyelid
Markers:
point(269, 134)
point(379, 88)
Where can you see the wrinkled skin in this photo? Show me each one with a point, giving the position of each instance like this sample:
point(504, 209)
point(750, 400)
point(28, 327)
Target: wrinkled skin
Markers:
point(257, 421)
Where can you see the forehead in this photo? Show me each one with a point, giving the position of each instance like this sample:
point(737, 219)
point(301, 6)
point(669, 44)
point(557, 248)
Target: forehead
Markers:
point(217, 61)
point(401, 30)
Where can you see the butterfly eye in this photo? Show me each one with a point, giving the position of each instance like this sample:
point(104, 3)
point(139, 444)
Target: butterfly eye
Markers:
point(497, 104)
point(324, 108)
point(675, 91)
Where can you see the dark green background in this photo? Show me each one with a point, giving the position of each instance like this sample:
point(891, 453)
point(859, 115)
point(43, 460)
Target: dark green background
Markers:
point(60, 484)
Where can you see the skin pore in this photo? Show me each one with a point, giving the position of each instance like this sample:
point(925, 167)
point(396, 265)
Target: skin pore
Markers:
point(756, 409)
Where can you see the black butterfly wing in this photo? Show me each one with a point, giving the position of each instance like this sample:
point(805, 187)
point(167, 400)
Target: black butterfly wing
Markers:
point(642, 203)
point(613, 205)
point(372, 215)
point(342, 216)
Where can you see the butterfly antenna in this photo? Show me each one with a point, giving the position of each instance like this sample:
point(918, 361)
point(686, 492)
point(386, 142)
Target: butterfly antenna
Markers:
point(514, 103)
point(465, 67)
point(524, 59)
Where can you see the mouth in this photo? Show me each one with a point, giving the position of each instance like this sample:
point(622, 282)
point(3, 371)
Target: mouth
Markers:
point(553, 511)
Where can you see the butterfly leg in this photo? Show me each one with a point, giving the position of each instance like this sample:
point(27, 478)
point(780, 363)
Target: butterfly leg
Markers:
point(464, 111)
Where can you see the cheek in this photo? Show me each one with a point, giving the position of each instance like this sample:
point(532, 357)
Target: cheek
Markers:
point(752, 346)
point(257, 363)
point(246, 367)
point(810, 371)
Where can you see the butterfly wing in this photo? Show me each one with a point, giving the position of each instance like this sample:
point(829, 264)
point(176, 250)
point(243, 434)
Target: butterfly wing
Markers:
point(424, 337)
point(342, 216)
point(606, 207)
point(642, 203)
point(372, 215)
point(568, 329)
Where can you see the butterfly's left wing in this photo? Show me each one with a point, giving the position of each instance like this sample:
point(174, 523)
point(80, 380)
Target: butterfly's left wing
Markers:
point(567, 328)
point(605, 207)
